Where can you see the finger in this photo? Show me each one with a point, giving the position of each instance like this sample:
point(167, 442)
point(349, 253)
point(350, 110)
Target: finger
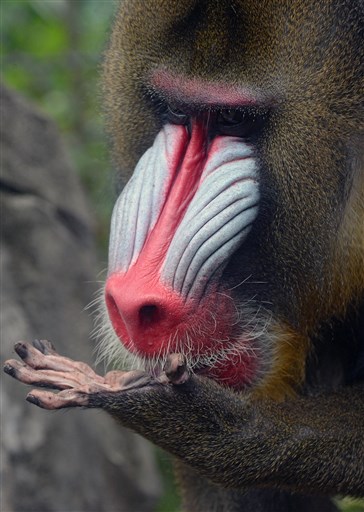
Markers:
point(114, 378)
point(121, 381)
point(52, 401)
point(49, 359)
point(42, 378)
point(176, 369)
point(45, 347)
point(11, 367)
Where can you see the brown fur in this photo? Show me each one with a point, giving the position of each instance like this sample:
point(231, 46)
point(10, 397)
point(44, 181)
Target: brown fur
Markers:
point(304, 54)
point(306, 57)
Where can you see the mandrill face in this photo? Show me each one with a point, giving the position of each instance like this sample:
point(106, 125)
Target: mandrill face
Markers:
point(188, 207)
point(229, 242)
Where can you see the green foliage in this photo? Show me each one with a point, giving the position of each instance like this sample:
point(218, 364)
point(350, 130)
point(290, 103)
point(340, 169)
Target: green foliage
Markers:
point(170, 501)
point(351, 505)
point(51, 53)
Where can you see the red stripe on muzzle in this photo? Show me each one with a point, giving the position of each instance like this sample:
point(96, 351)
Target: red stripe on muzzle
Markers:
point(142, 309)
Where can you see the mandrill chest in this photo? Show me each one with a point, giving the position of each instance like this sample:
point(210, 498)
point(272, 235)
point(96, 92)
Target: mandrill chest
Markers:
point(188, 207)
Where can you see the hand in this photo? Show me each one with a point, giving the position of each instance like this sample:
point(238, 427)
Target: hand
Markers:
point(43, 367)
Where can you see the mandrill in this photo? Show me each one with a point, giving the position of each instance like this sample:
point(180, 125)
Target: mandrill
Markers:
point(236, 263)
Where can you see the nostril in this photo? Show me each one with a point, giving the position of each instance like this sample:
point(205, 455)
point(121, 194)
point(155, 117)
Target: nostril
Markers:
point(111, 304)
point(140, 314)
point(149, 314)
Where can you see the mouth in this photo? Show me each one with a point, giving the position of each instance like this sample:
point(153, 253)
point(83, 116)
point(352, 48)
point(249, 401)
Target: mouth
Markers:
point(210, 336)
point(236, 366)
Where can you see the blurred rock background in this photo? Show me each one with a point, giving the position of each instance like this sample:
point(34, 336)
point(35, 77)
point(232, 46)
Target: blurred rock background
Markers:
point(56, 199)
point(55, 462)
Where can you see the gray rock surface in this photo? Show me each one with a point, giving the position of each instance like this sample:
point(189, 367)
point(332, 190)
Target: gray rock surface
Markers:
point(77, 461)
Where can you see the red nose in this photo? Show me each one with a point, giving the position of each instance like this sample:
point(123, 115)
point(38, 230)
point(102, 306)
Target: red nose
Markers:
point(144, 313)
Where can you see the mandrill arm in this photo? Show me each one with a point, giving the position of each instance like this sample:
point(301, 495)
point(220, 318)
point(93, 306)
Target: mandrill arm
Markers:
point(309, 444)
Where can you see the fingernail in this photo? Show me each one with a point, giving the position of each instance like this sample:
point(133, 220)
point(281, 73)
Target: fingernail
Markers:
point(10, 370)
point(33, 400)
point(21, 349)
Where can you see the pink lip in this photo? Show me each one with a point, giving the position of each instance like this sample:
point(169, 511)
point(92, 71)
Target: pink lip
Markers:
point(199, 91)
